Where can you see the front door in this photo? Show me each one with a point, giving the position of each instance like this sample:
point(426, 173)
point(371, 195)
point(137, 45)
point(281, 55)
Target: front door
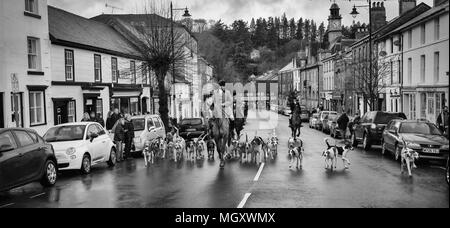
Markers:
point(2, 115)
point(16, 109)
point(61, 112)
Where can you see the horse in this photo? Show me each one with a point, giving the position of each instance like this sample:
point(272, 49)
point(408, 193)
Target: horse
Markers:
point(219, 130)
point(296, 123)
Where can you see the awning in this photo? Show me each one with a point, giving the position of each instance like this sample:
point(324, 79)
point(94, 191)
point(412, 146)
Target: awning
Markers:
point(126, 94)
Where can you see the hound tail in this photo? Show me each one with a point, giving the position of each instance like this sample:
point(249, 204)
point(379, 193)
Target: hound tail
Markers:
point(328, 144)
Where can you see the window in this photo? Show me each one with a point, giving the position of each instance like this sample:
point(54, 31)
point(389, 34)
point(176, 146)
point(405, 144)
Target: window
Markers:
point(133, 72)
point(69, 60)
point(71, 114)
point(392, 45)
point(410, 39)
point(410, 70)
point(144, 74)
point(98, 68)
point(392, 72)
point(157, 123)
point(31, 6)
point(37, 108)
point(24, 139)
point(7, 141)
point(423, 105)
point(436, 66)
point(422, 34)
point(33, 53)
point(437, 28)
point(99, 107)
point(134, 103)
point(114, 70)
point(430, 105)
point(422, 68)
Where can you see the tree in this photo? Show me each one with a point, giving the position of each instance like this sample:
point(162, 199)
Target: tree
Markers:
point(162, 51)
point(272, 35)
point(252, 26)
point(307, 30)
point(321, 32)
point(293, 29)
point(284, 28)
point(313, 34)
point(299, 33)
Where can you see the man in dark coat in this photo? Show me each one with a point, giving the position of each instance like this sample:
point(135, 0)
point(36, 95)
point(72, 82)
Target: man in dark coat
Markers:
point(443, 121)
point(119, 137)
point(129, 135)
point(111, 121)
point(343, 124)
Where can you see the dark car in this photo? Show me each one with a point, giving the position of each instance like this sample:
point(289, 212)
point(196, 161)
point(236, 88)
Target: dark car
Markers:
point(24, 158)
point(192, 128)
point(423, 137)
point(369, 129)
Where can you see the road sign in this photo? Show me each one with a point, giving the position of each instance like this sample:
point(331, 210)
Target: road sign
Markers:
point(14, 83)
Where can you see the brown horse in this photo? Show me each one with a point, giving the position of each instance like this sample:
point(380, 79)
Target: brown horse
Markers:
point(296, 123)
point(219, 130)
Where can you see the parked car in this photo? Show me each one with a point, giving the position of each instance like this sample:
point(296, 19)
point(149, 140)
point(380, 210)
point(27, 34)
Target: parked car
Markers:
point(25, 157)
point(313, 120)
point(146, 128)
point(323, 116)
point(281, 110)
point(328, 121)
point(79, 146)
point(304, 115)
point(369, 130)
point(192, 128)
point(423, 137)
point(287, 111)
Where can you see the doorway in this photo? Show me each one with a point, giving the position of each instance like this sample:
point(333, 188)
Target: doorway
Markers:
point(17, 109)
point(2, 115)
point(61, 111)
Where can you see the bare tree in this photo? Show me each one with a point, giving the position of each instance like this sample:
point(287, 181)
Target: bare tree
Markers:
point(370, 80)
point(164, 49)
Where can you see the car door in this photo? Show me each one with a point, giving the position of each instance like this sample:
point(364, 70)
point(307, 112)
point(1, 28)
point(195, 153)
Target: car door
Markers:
point(103, 139)
point(94, 145)
point(388, 136)
point(359, 129)
point(9, 161)
point(29, 152)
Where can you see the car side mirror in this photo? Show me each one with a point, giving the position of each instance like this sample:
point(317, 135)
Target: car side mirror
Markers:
point(93, 136)
point(151, 129)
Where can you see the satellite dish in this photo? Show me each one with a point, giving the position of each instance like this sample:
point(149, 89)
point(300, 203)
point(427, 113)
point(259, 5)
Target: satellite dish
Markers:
point(383, 54)
point(397, 43)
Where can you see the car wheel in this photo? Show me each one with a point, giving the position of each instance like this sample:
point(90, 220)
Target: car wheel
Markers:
point(86, 164)
point(354, 141)
point(112, 158)
point(447, 173)
point(366, 143)
point(383, 148)
point(50, 174)
point(398, 152)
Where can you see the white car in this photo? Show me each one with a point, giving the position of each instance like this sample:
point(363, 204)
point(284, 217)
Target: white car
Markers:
point(146, 128)
point(79, 146)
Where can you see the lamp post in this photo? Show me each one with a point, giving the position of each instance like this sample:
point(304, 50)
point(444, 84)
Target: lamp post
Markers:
point(185, 15)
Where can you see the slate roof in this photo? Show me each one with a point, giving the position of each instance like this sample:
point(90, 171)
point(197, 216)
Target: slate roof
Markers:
point(271, 76)
point(70, 29)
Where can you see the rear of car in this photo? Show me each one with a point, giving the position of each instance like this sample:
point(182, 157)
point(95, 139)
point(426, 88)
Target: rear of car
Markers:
point(327, 121)
point(146, 128)
point(313, 120)
point(304, 115)
point(379, 123)
point(192, 128)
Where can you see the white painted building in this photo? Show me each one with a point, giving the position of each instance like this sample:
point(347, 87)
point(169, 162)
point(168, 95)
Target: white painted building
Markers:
point(24, 53)
point(328, 80)
point(425, 63)
point(94, 69)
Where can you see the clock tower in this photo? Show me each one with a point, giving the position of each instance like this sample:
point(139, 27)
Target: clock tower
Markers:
point(334, 23)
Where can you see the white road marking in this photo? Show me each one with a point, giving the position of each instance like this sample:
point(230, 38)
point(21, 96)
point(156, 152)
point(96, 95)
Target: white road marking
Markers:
point(6, 205)
point(242, 203)
point(259, 172)
point(35, 196)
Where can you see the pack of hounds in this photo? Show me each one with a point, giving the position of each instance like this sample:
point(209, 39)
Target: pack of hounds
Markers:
point(255, 151)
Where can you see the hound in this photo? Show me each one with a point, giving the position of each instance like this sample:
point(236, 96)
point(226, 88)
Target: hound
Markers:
point(409, 157)
point(296, 151)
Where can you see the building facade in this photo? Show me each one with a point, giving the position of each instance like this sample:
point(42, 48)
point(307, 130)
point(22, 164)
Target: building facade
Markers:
point(425, 63)
point(25, 68)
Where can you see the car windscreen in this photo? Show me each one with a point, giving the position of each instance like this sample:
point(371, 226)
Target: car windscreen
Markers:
point(138, 124)
point(191, 122)
point(385, 118)
point(65, 133)
point(332, 116)
point(419, 128)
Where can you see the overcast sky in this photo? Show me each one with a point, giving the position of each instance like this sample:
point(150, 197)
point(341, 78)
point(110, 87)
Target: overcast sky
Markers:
point(230, 10)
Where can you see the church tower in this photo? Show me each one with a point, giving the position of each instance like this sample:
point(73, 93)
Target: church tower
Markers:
point(334, 23)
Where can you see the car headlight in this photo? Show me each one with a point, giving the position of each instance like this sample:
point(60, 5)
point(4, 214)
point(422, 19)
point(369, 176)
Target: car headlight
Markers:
point(373, 126)
point(413, 145)
point(71, 151)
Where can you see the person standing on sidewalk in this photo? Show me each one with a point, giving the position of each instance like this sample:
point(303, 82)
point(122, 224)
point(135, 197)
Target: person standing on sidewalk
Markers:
point(342, 124)
point(129, 135)
point(443, 120)
point(119, 136)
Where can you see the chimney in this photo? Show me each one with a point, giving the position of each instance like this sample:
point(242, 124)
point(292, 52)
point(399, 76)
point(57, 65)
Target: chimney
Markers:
point(438, 2)
point(406, 5)
point(378, 16)
point(361, 32)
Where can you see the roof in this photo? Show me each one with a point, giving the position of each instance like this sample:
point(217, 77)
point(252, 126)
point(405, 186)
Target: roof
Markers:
point(430, 13)
point(396, 22)
point(70, 29)
point(290, 66)
point(334, 6)
point(137, 18)
point(268, 77)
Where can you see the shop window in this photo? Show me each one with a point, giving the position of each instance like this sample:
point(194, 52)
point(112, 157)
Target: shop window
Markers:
point(37, 107)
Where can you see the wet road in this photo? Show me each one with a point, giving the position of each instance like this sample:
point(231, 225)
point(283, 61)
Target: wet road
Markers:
point(372, 181)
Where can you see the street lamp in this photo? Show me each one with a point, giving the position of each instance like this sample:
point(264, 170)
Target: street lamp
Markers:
point(185, 15)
